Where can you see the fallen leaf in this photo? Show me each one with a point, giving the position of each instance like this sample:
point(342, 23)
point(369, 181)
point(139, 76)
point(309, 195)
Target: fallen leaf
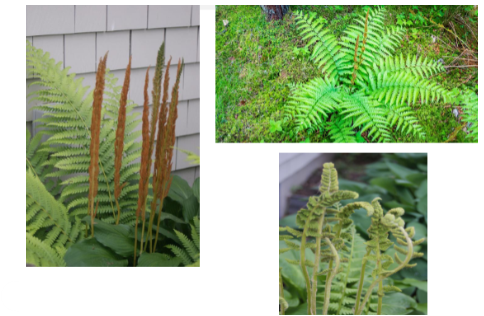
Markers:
point(242, 103)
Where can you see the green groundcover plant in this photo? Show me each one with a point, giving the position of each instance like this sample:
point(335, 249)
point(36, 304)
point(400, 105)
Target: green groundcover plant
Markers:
point(91, 197)
point(365, 89)
point(334, 270)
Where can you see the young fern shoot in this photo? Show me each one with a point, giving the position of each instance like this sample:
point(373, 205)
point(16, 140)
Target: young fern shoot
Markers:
point(328, 230)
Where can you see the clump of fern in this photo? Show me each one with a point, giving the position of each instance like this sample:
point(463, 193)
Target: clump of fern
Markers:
point(50, 229)
point(364, 88)
point(190, 253)
point(164, 115)
point(66, 120)
point(330, 233)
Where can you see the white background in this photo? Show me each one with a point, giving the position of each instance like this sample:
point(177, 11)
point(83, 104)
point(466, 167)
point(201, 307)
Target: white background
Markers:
point(239, 256)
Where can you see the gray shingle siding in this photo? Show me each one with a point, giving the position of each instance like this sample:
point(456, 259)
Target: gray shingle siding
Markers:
point(118, 44)
point(169, 16)
point(127, 17)
point(80, 52)
point(191, 83)
point(195, 15)
point(193, 123)
point(184, 142)
point(78, 36)
point(46, 20)
point(186, 49)
point(90, 18)
point(145, 45)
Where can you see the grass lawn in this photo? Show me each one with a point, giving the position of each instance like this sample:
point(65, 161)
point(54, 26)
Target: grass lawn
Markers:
point(257, 62)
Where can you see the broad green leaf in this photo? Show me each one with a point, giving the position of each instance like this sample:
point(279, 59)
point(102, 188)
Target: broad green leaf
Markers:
point(352, 185)
point(292, 274)
point(417, 178)
point(422, 206)
point(191, 208)
point(157, 260)
point(293, 301)
point(91, 253)
point(422, 296)
point(397, 304)
point(400, 171)
point(116, 237)
point(165, 215)
point(422, 190)
point(385, 183)
point(422, 307)
point(406, 197)
point(179, 189)
point(289, 221)
point(422, 285)
point(196, 189)
point(419, 272)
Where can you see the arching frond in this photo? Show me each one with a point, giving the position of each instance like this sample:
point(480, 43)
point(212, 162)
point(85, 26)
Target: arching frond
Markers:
point(67, 118)
point(326, 49)
point(341, 131)
point(404, 88)
point(311, 102)
point(368, 114)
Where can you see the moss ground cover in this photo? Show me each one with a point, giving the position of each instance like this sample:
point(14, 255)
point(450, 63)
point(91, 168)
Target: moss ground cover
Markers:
point(257, 62)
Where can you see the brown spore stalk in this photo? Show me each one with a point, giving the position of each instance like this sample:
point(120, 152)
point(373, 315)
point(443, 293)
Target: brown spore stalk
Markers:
point(119, 142)
point(164, 171)
point(145, 167)
point(95, 132)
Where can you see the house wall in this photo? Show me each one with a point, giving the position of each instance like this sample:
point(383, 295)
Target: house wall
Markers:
point(78, 36)
point(294, 170)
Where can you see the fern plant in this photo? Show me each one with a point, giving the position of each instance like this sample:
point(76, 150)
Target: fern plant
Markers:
point(364, 86)
point(190, 253)
point(50, 229)
point(67, 120)
point(343, 262)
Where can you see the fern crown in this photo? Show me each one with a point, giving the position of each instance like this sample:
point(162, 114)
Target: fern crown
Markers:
point(364, 86)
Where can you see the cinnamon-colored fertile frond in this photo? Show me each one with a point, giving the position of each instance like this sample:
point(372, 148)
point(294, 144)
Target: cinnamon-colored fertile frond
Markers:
point(95, 131)
point(159, 158)
point(119, 142)
point(156, 93)
point(170, 127)
point(144, 169)
point(166, 152)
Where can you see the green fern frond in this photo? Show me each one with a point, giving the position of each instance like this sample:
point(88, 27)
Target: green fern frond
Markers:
point(419, 67)
point(403, 117)
point(42, 255)
point(47, 217)
point(325, 51)
point(368, 114)
point(405, 87)
point(182, 254)
point(341, 131)
point(190, 254)
point(190, 247)
point(66, 118)
point(314, 100)
point(470, 115)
